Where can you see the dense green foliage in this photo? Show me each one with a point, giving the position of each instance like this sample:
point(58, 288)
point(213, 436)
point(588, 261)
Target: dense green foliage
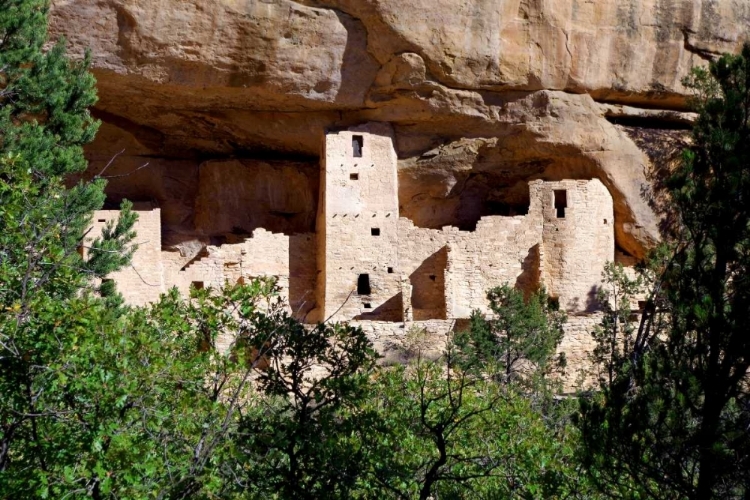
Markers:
point(45, 314)
point(521, 333)
point(675, 414)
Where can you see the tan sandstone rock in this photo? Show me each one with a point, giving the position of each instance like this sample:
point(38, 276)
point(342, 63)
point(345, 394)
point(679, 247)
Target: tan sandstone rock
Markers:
point(483, 95)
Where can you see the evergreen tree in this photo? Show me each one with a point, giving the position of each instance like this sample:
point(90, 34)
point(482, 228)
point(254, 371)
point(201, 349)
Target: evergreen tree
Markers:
point(518, 341)
point(44, 122)
point(675, 416)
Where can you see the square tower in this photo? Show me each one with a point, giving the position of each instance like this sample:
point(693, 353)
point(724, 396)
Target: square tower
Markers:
point(357, 225)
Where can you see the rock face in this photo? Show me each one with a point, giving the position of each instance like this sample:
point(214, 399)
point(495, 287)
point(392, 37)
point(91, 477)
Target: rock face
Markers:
point(483, 96)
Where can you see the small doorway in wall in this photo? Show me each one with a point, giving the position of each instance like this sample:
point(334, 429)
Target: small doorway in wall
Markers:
point(561, 202)
point(357, 145)
point(363, 285)
point(198, 285)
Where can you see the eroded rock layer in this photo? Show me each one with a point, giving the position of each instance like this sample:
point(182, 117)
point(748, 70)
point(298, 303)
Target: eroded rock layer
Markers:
point(227, 100)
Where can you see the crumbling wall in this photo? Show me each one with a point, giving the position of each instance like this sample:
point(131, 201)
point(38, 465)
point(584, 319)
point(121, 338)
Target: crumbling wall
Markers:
point(289, 259)
point(205, 270)
point(493, 255)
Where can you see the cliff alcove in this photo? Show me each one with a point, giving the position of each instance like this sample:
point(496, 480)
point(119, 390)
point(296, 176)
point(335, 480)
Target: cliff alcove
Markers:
point(229, 100)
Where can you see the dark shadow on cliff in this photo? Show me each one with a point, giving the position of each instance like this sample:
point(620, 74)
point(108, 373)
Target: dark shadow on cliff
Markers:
point(390, 310)
point(302, 274)
point(428, 287)
point(358, 67)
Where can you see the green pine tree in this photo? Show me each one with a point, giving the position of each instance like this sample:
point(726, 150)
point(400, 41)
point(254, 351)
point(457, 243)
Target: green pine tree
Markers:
point(521, 332)
point(674, 419)
point(44, 122)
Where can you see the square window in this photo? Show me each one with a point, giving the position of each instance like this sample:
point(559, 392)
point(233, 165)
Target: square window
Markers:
point(375, 231)
point(367, 305)
point(198, 285)
point(390, 270)
point(354, 177)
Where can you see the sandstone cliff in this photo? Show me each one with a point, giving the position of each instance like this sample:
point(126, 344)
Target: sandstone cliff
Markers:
point(226, 100)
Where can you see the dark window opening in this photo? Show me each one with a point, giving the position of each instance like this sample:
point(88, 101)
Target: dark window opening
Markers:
point(641, 305)
point(198, 285)
point(107, 280)
point(375, 231)
point(554, 303)
point(367, 305)
point(433, 277)
point(561, 202)
point(101, 220)
point(354, 177)
point(357, 144)
point(390, 270)
point(363, 284)
point(605, 221)
point(492, 207)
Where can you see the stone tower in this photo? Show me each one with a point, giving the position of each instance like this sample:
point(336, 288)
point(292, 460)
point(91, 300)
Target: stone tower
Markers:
point(357, 225)
point(578, 239)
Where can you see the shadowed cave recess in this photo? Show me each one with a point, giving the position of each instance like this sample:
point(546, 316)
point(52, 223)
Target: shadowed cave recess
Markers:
point(209, 198)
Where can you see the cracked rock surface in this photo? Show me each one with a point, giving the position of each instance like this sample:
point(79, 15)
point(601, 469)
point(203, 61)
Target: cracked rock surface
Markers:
point(227, 100)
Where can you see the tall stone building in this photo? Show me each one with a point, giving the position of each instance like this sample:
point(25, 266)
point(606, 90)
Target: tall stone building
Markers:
point(358, 226)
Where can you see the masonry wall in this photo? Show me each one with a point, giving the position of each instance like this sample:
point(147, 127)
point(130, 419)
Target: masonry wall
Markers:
point(577, 245)
point(290, 259)
point(143, 281)
point(358, 226)
point(577, 345)
point(500, 251)
point(422, 262)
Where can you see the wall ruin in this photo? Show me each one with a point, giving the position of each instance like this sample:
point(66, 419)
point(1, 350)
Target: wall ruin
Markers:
point(367, 264)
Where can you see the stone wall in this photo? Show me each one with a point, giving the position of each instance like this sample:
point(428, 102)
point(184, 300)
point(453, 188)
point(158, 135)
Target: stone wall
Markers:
point(422, 261)
point(578, 240)
point(577, 345)
point(358, 226)
point(496, 253)
point(143, 281)
point(290, 259)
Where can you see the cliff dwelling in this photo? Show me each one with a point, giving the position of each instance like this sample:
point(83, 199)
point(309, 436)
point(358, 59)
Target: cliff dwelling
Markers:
point(367, 264)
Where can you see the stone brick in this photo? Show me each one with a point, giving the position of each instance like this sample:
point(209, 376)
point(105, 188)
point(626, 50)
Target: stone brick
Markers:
point(368, 265)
